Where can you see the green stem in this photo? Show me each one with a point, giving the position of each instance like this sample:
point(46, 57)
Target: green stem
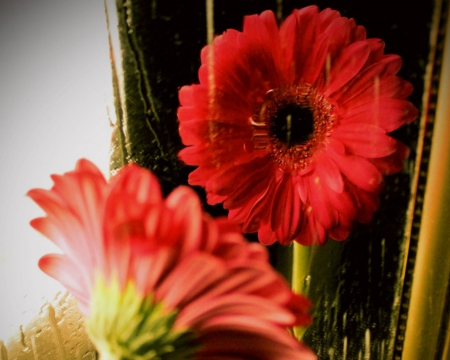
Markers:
point(300, 272)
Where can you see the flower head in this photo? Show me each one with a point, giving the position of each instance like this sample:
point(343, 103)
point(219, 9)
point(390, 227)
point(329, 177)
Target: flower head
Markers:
point(289, 126)
point(159, 279)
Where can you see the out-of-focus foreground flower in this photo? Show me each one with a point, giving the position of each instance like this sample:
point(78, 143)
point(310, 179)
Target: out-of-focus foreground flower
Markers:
point(159, 279)
point(289, 126)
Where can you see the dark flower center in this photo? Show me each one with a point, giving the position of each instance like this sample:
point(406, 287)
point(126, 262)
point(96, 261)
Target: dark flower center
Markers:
point(293, 124)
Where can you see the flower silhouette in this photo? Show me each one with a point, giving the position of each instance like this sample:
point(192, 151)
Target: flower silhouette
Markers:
point(289, 126)
point(158, 278)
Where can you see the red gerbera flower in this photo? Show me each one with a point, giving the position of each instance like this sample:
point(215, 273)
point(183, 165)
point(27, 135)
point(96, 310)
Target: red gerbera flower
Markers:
point(289, 126)
point(158, 278)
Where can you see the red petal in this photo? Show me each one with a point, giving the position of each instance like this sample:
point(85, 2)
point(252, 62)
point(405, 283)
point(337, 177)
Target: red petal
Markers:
point(243, 182)
point(365, 140)
point(344, 203)
point(286, 212)
point(327, 170)
point(260, 211)
point(393, 163)
point(185, 95)
point(325, 214)
point(347, 66)
point(359, 172)
point(265, 235)
point(263, 52)
point(311, 231)
point(364, 82)
point(326, 17)
point(368, 203)
point(340, 233)
point(337, 36)
point(299, 33)
point(376, 51)
point(300, 306)
point(216, 133)
point(374, 89)
point(388, 114)
point(200, 175)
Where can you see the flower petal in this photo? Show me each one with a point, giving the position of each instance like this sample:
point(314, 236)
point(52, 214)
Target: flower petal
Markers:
point(365, 140)
point(286, 212)
point(327, 171)
point(393, 163)
point(325, 214)
point(61, 268)
point(347, 65)
point(318, 61)
point(360, 172)
point(388, 114)
point(298, 34)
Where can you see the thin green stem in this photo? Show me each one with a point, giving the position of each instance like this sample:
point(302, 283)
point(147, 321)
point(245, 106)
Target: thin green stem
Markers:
point(300, 272)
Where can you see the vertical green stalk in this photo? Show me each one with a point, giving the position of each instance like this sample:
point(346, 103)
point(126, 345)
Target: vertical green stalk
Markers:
point(300, 273)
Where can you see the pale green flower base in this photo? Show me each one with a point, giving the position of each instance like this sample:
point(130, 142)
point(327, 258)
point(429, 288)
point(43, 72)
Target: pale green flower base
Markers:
point(124, 325)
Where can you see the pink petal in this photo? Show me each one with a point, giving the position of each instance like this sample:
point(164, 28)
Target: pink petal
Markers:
point(72, 277)
point(237, 304)
point(148, 271)
point(186, 219)
point(248, 279)
point(249, 343)
point(64, 229)
point(247, 325)
point(138, 184)
point(191, 277)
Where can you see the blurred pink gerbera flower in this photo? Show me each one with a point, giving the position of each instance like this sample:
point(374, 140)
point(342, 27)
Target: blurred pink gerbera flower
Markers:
point(289, 126)
point(158, 278)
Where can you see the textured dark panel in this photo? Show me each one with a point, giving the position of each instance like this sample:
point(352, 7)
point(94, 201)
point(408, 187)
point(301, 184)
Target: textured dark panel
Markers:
point(161, 44)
